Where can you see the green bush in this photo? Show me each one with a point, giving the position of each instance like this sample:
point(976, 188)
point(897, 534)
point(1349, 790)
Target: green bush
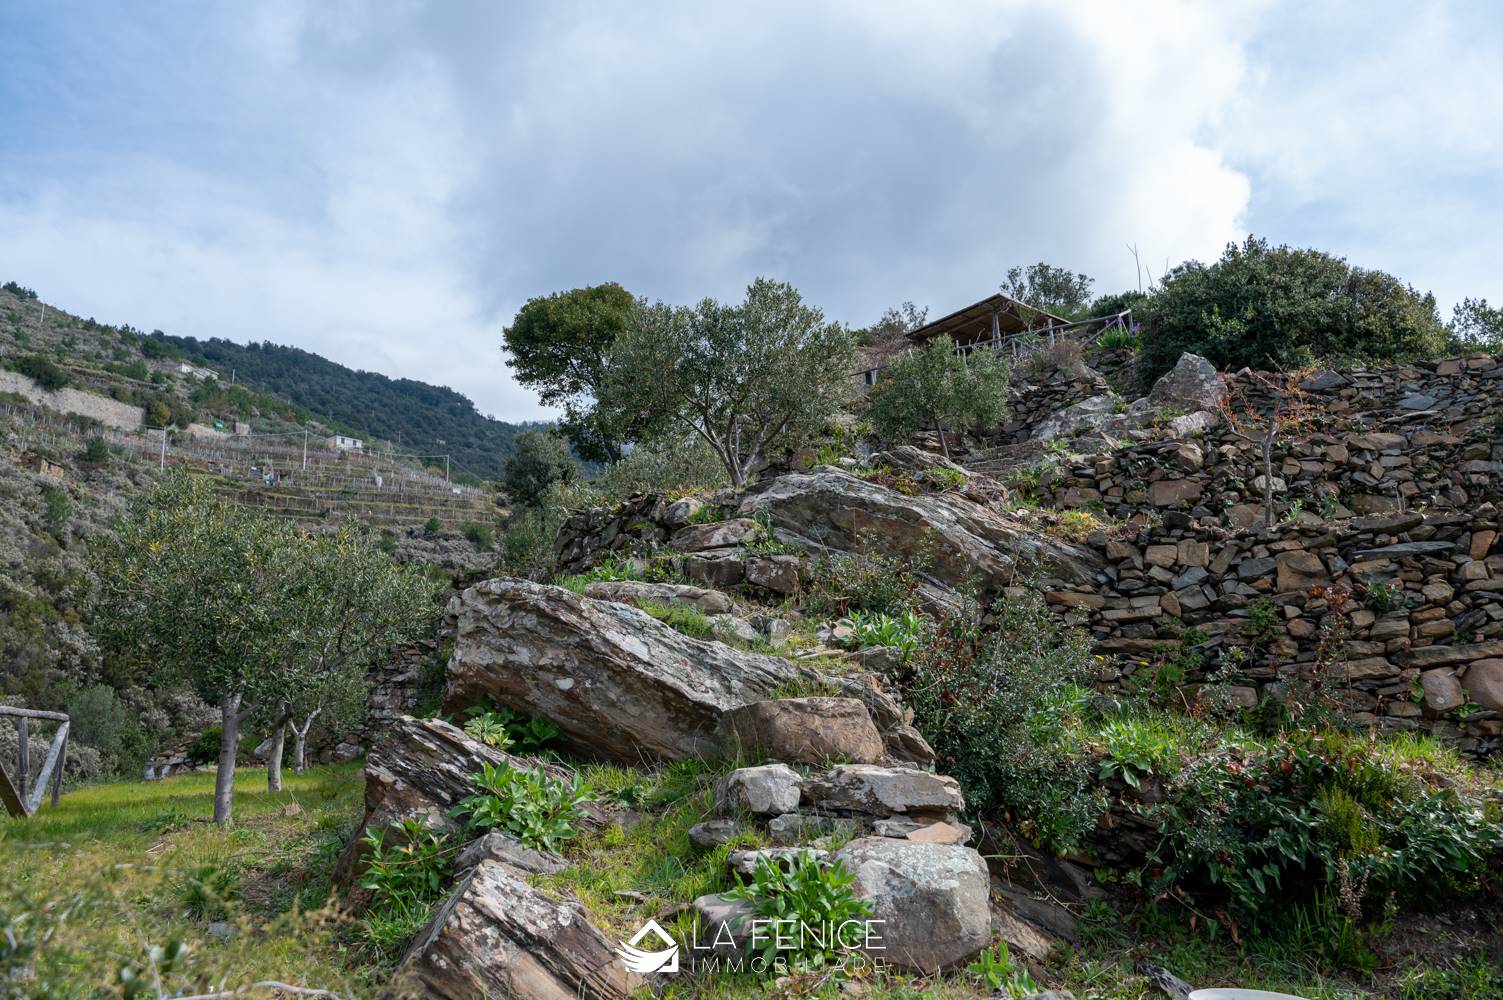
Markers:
point(58, 507)
point(43, 370)
point(96, 450)
point(905, 632)
point(861, 581)
point(1263, 306)
point(1261, 827)
point(404, 879)
point(998, 707)
point(805, 893)
point(101, 720)
point(527, 544)
point(204, 749)
point(539, 810)
point(482, 536)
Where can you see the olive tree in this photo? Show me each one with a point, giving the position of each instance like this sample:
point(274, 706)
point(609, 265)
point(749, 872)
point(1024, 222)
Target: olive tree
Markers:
point(255, 613)
point(348, 603)
point(747, 378)
point(192, 587)
point(936, 387)
point(540, 459)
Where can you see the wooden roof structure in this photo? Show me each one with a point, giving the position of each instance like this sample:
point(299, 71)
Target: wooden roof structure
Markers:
point(997, 316)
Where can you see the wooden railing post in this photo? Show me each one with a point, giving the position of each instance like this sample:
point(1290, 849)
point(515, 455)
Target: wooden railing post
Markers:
point(23, 781)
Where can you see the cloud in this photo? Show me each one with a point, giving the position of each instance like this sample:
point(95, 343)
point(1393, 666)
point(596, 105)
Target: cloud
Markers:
point(386, 183)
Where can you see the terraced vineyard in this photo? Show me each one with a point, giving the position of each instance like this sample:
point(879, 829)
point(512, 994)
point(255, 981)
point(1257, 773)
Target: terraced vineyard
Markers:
point(276, 473)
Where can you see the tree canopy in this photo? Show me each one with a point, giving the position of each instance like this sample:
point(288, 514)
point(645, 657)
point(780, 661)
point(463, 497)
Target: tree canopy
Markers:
point(560, 345)
point(747, 378)
point(1055, 290)
point(1264, 306)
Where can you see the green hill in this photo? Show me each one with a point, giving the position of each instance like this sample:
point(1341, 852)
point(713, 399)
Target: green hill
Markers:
point(409, 414)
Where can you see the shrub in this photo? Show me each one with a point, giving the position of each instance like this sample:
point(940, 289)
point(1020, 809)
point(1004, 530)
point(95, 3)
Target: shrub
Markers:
point(688, 621)
point(43, 370)
point(101, 720)
point(20, 291)
point(995, 707)
point(527, 544)
point(864, 581)
point(482, 536)
point(96, 450)
point(432, 526)
point(204, 749)
point(1263, 306)
point(938, 389)
point(539, 810)
point(404, 881)
point(807, 893)
point(1262, 827)
point(58, 508)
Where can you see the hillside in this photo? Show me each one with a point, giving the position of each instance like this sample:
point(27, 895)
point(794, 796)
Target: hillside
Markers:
point(275, 388)
point(408, 413)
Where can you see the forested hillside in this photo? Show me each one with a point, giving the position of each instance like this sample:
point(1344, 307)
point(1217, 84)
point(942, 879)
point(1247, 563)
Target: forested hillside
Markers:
point(405, 412)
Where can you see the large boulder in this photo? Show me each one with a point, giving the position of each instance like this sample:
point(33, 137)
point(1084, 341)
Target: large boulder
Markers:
point(498, 936)
point(619, 683)
point(933, 900)
point(806, 730)
point(715, 535)
point(767, 790)
point(1092, 414)
point(1192, 384)
point(964, 540)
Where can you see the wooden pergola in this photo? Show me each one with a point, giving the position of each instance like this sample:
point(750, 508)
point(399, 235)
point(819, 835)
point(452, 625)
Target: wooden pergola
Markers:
point(996, 318)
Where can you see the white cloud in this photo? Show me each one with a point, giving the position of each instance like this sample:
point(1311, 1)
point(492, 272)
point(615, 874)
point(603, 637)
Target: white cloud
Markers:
point(387, 183)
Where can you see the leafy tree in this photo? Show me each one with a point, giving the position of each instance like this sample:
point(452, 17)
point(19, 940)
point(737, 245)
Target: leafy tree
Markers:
point(1475, 324)
point(541, 458)
point(746, 378)
point(250, 610)
point(895, 322)
point(937, 388)
point(1263, 306)
point(346, 604)
point(191, 587)
point(1055, 290)
point(560, 344)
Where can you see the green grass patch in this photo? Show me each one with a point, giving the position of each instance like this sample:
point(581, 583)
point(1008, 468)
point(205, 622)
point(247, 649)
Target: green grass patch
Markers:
point(89, 887)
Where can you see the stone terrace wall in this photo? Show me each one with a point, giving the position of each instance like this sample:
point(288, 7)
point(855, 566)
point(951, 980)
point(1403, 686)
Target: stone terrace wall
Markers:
point(110, 412)
point(1422, 436)
point(1420, 656)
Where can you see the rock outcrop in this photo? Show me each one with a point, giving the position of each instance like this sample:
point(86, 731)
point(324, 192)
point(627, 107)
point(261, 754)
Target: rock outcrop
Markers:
point(961, 540)
point(499, 936)
point(806, 730)
point(621, 684)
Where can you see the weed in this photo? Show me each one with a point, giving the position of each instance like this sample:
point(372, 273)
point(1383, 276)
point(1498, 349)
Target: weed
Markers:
point(806, 894)
point(539, 810)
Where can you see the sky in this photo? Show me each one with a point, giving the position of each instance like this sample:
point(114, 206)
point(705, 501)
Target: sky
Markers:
point(385, 183)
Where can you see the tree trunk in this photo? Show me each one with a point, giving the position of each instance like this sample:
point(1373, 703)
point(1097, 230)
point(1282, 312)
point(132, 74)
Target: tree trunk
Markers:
point(274, 758)
point(300, 742)
point(229, 744)
point(1268, 480)
point(944, 445)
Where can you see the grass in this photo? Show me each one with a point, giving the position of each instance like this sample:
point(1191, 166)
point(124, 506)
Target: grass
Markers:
point(116, 870)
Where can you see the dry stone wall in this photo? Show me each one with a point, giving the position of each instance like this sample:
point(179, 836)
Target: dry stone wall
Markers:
point(1415, 437)
point(1403, 613)
point(110, 412)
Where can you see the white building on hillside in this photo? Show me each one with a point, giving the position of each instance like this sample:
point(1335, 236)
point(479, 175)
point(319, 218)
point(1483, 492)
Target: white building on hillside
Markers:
point(339, 442)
